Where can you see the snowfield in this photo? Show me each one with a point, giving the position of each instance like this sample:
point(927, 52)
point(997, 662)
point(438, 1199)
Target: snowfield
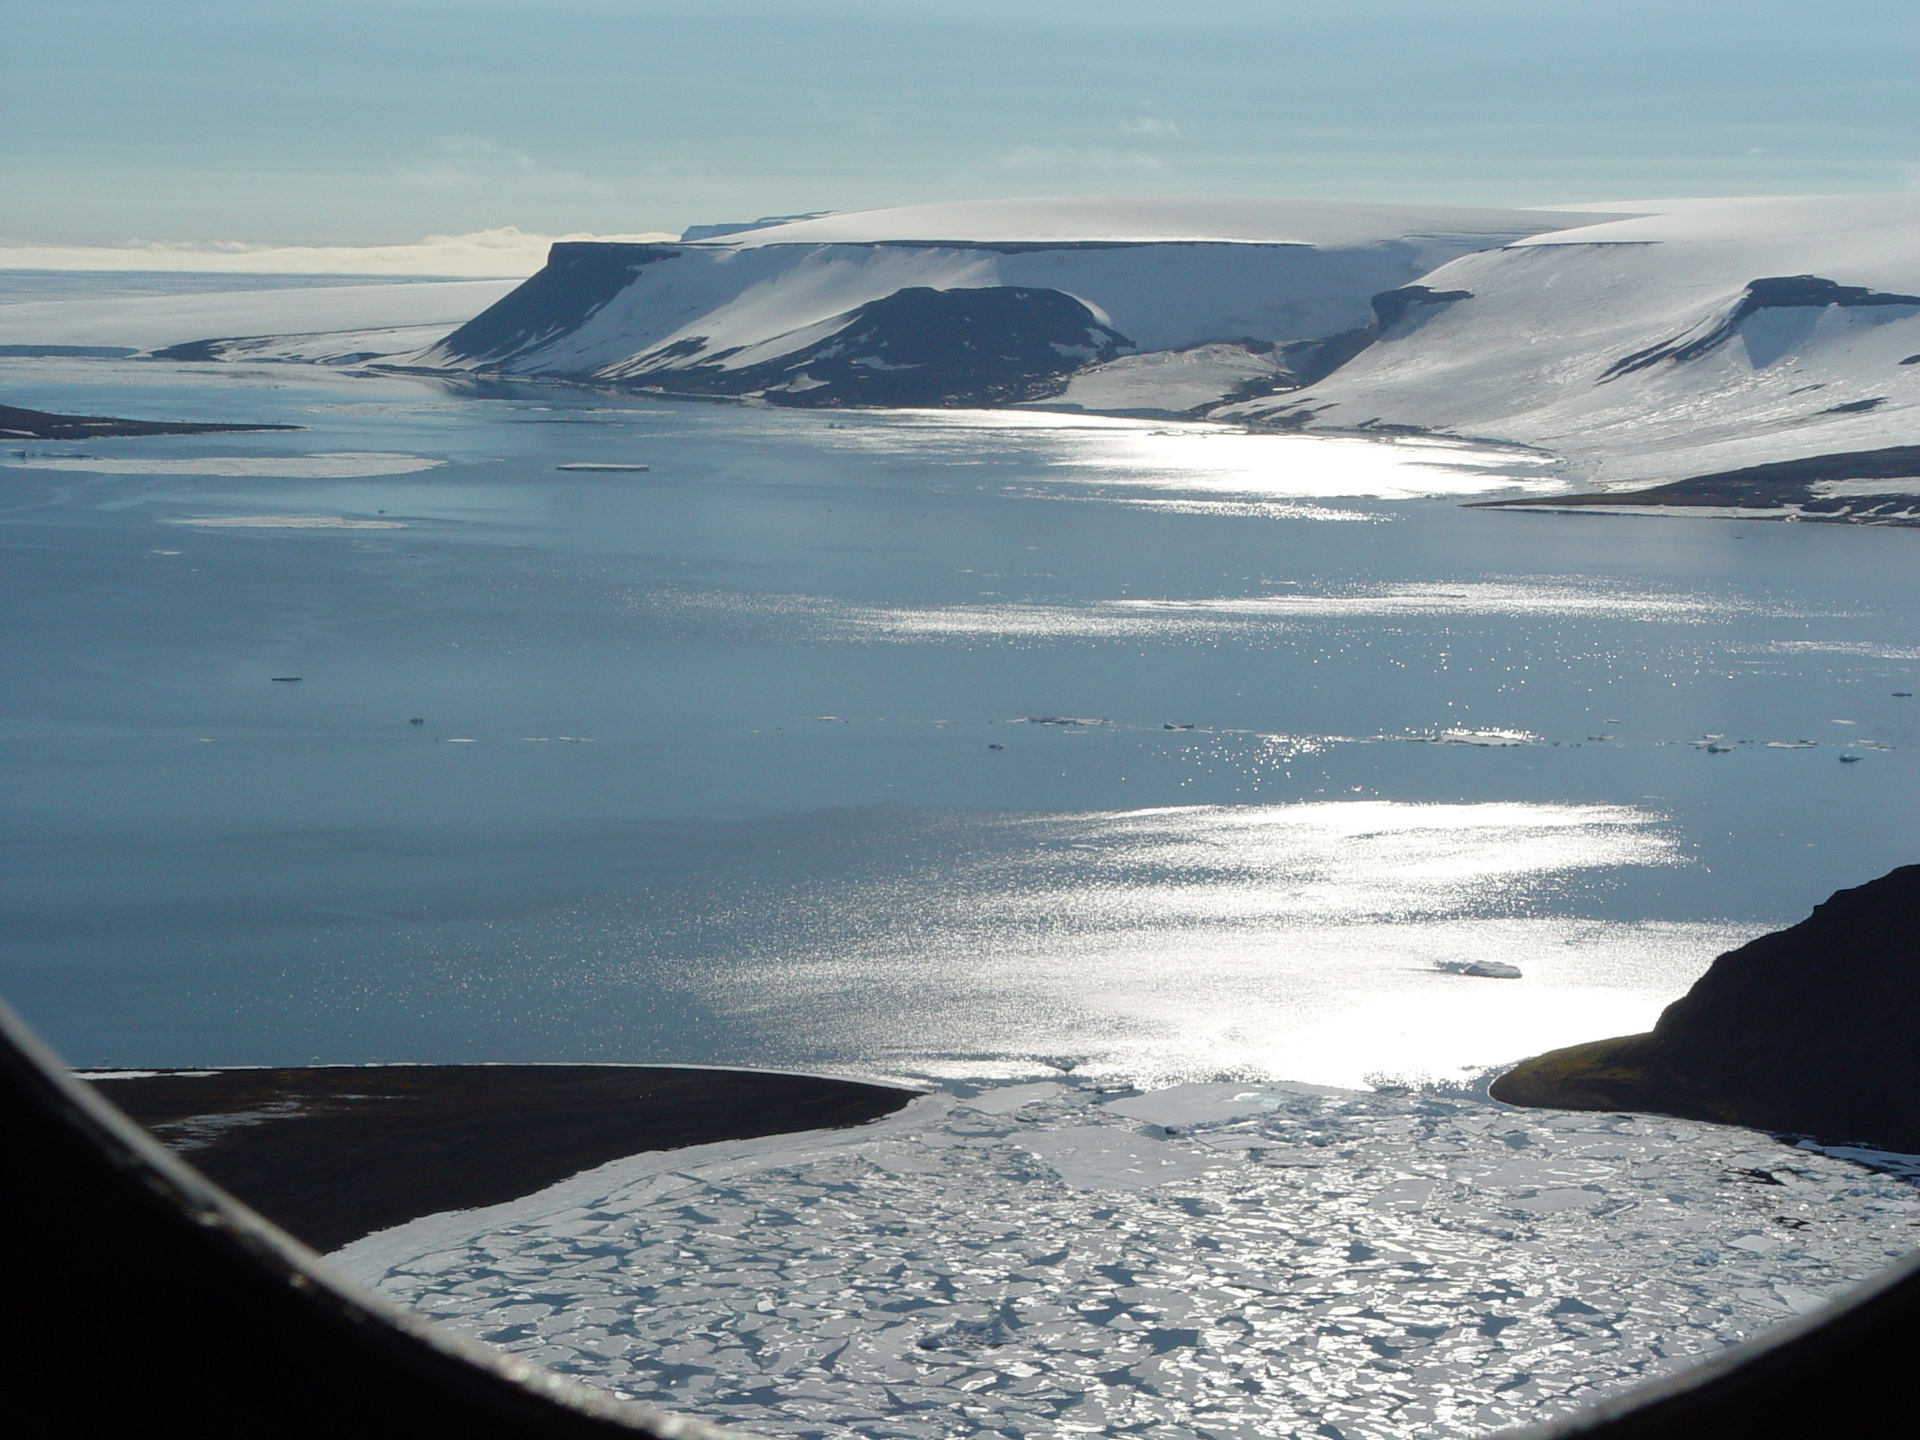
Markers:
point(1635, 347)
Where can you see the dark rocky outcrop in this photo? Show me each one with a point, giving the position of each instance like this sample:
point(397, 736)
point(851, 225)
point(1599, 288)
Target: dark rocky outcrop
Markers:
point(16, 423)
point(985, 346)
point(1813, 1030)
point(1777, 292)
point(1774, 486)
point(1392, 306)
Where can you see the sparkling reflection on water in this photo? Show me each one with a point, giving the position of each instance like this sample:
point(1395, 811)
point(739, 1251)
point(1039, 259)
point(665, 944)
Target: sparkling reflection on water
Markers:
point(905, 743)
point(1011, 748)
point(1308, 941)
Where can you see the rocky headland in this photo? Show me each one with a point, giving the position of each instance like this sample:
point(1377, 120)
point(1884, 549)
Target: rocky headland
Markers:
point(17, 423)
point(1813, 1030)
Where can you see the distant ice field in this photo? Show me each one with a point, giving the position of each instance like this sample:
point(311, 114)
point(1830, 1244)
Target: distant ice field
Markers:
point(934, 745)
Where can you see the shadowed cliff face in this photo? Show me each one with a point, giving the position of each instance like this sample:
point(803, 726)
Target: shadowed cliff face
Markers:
point(1813, 1030)
point(578, 280)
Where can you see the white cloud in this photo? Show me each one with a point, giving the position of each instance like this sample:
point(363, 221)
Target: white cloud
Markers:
point(505, 251)
point(1074, 157)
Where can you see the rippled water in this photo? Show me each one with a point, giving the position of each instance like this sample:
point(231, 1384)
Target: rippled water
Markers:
point(910, 744)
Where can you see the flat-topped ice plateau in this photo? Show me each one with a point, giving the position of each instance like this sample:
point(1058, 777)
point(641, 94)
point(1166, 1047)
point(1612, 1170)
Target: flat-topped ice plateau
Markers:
point(1643, 343)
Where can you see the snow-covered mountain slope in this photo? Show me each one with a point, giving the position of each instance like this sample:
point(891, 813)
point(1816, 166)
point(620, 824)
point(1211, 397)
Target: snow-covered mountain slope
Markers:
point(719, 315)
point(388, 318)
point(1712, 336)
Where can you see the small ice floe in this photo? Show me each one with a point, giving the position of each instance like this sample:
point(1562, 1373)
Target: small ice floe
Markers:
point(598, 466)
point(329, 465)
point(1069, 720)
point(461, 740)
point(1486, 737)
point(1483, 969)
point(289, 522)
point(1006, 1099)
point(1170, 725)
point(1791, 745)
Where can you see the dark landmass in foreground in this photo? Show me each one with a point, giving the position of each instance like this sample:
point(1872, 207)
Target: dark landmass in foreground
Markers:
point(1784, 487)
point(337, 1152)
point(16, 423)
point(1813, 1030)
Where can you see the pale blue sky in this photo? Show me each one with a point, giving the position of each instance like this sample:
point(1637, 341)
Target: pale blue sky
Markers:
point(365, 121)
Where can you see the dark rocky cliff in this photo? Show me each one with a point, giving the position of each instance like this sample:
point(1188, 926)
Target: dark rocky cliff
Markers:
point(1813, 1030)
point(579, 278)
point(973, 346)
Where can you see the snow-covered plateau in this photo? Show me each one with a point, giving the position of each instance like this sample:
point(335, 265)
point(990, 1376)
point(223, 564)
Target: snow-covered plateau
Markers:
point(1641, 342)
point(1215, 1259)
point(1763, 353)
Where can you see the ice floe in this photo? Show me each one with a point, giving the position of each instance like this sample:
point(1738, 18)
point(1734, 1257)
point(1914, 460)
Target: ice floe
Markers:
point(289, 522)
point(340, 465)
point(1215, 1259)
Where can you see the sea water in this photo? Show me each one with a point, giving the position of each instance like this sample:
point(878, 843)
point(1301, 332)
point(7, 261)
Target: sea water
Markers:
point(1033, 758)
point(921, 745)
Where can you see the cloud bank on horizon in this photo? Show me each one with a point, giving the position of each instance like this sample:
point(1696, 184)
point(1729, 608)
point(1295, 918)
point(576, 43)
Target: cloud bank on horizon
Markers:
point(506, 251)
point(319, 124)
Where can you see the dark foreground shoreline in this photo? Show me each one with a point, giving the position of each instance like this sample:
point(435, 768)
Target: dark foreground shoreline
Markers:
point(332, 1153)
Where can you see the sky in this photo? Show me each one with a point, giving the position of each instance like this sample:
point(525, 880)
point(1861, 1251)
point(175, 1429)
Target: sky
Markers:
point(184, 131)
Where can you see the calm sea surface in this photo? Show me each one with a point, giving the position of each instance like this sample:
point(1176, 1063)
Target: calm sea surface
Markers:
point(894, 744)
